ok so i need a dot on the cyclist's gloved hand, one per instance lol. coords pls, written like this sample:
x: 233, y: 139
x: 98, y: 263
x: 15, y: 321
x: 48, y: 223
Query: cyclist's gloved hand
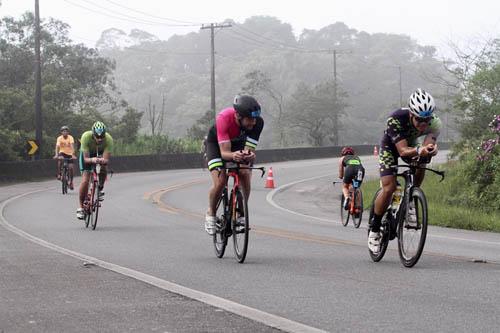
x: 249, y: 156
x: 238, y: 156
x: 432, y: 149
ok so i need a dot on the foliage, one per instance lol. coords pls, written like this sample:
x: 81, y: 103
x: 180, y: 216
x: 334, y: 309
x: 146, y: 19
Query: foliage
x: 199, y: 130
x: 316, y: 111
x: 128, y: 126
x: 158, y: 144
x: 77, y: 84
x: 479, y: 98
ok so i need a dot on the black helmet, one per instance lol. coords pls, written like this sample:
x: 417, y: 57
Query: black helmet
x: 246, y: 106
x: 64, y: 128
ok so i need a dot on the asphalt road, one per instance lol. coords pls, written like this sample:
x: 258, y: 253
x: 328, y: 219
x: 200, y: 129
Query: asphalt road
x: 303, y: 269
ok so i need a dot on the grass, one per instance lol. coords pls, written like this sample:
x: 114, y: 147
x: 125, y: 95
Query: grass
x: 441, y: 213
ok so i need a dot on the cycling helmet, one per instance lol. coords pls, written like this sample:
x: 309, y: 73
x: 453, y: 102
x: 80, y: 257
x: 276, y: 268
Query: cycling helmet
x: 347, y: 151
x: 64, y: 128
x: 246, y: 106
x: 421, y: 104
x: 99, y: 129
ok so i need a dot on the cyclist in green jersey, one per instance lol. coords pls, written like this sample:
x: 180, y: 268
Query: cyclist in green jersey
x: 350, y: 168
x: 94, y: 143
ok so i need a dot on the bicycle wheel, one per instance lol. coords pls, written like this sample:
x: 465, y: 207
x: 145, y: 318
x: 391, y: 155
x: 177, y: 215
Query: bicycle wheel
x: 88, y: 208
x: 95, y: 206
x: 344, y: 214
x: 64, y: 180
x: 239, y: 223
x: 219, y: 237
x: 384, y: 229
x: 412, y: 234
x: 358, y: 208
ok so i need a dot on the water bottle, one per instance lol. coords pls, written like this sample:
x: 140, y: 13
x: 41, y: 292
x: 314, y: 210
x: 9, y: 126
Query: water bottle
x: 396, y: 198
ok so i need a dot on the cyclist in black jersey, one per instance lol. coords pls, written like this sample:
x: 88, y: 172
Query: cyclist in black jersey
x: 404, y: 126
x: 349, y: 168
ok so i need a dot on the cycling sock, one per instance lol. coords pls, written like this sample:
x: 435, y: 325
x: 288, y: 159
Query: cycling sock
x: 375, y: 225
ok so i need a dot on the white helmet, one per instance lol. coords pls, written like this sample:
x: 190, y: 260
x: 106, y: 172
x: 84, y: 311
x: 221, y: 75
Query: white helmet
x: 421, y: 104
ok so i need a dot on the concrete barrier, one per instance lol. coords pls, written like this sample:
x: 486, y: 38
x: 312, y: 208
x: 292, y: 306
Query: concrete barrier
x: 42, y: 169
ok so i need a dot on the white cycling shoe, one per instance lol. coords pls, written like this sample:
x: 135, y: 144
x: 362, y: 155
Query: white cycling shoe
x: 80, y: 214
x: 374, y: 239
x: 210, y: 224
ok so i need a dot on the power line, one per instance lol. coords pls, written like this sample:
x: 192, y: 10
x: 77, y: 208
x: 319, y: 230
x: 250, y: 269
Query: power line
x: 151, y: 15
x: 123, y: 17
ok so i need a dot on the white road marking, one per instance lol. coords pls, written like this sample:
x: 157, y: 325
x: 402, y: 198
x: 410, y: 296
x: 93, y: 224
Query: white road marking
x: 236, y: 308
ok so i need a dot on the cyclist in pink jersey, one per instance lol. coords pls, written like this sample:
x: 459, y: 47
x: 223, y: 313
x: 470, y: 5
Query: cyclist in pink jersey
x: 234, y: 137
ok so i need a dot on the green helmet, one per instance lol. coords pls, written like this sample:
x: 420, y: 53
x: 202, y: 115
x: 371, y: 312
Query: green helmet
x: 99, y: 129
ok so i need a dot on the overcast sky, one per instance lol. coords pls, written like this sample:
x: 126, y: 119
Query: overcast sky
x: 434, y: 22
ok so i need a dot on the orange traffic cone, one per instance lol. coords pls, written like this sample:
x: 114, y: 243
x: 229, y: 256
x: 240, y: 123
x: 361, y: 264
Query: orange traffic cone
x: 375, y: 151
x: 270, y: 179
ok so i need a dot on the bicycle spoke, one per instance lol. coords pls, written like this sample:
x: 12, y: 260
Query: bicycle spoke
x: 412, y: 231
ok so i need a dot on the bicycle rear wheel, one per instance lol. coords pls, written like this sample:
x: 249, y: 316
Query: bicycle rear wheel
x: 240, y: 225
x: 344, y: 214
x: 220, y: 237
x: 384, y: 229
x: 358, y: 208
x: 95, y: 207
x: 412, y: 234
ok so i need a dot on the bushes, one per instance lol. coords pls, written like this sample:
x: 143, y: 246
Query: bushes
x: 475, y: 180
x: 158, y: 144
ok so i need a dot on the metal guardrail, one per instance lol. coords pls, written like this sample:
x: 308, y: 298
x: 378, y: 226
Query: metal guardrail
x: 41, y: 169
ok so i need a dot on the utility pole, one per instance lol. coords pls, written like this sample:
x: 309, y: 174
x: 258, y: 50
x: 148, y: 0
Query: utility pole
x: 335, y: 114
x: 212, y: 27
x: 38, y: 83
x: 335, y: 96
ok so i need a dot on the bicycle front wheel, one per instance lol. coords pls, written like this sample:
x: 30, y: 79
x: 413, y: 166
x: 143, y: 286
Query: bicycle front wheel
x: 358, y: 208
x: 412, y: 230
x: 344, y: 214
x: 220, y: 237
x: 88, y: 206
x: 95, y: 208
x: 64, y: 181
x: 240, y: 225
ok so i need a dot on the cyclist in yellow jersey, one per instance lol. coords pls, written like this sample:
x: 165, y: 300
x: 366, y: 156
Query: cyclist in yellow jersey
x: 94, y: 143
x: 65, y: 148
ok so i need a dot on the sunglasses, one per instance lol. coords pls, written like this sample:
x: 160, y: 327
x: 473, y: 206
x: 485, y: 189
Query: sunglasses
x: 255, y: 114
x: 423, y: 120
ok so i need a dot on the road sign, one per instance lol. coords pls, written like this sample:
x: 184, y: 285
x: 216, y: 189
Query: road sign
x: 33, y: 147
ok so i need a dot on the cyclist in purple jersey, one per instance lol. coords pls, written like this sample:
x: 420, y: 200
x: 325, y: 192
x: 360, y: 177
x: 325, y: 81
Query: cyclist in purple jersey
x: 234, y: 137
x: 404, y: 126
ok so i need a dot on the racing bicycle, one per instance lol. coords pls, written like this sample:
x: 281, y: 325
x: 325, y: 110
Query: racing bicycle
x: 232, y: 213
x: 411, y: 231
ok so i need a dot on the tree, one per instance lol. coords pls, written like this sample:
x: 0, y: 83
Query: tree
x: 155, y: 118
x: 128, y: 126
x: 199, y: 130
x: 78, y: 85
x: 479, y: 82
x: 317, y: 112
x: 257, y: 81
